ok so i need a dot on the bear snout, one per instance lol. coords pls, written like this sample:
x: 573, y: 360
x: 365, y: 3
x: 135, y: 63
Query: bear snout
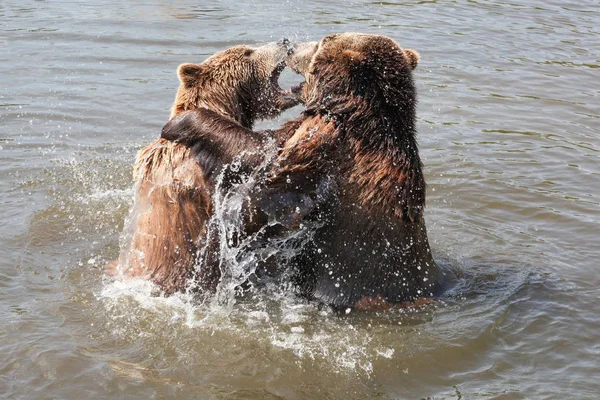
x: 300, y: 57
x: 288, y: 45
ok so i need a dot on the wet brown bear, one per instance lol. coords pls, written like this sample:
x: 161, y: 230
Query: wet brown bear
x: 174, y: 183
x: 353, y: 171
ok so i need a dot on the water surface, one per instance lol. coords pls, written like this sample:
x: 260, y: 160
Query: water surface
x: 509, y: 131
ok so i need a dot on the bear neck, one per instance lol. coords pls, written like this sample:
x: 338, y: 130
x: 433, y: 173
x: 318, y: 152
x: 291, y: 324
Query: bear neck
x: 233, y: 109
x: 228, y: 104
x: 388, y: 129
x: 389, y: 119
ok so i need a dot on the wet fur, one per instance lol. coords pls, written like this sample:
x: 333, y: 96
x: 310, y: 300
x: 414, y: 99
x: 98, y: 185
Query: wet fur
x: 355, y: 155
x: 174, y: 181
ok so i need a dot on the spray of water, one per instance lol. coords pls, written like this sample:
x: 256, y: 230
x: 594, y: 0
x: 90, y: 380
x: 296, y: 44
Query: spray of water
x: 272, y: 317
x: 239, y: 253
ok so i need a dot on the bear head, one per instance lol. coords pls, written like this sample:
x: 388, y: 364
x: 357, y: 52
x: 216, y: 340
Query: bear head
x: 342, y: 66
x: 240, y: 82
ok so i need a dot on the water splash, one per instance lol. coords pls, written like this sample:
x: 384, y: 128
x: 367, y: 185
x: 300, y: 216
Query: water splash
x: 238, y: 254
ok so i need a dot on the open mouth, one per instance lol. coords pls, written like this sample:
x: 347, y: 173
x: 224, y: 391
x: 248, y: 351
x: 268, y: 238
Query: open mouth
x: 275, y: 76
x: 294, y: 91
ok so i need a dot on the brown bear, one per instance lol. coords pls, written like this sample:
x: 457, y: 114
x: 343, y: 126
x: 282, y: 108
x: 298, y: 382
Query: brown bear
x: 174, y: 183
x: 352, y: 170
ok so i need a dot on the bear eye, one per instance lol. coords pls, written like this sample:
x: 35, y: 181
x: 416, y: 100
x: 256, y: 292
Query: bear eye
x: 248, y: 52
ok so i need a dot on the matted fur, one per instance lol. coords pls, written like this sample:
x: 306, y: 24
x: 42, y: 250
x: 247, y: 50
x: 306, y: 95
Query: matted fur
x: 174, y: 182
x: 355, y: 154
x: 172, y: 204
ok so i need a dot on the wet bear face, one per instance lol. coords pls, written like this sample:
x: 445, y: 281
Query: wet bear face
x: 352, y: 64
x: 241, y: 82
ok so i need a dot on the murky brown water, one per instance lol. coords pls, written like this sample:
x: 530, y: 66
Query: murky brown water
x: 509, y: 128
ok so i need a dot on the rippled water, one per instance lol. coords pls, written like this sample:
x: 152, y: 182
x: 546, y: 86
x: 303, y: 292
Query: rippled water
x: 509, y: 127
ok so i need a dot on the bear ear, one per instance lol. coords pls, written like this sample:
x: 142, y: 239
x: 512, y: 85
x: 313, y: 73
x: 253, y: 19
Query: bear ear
x: 189, y: 73
x: 412, y: 56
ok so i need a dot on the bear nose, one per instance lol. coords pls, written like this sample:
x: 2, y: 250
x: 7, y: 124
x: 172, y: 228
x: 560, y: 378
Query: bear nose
x: 285, y: 42
x: 288, y: 45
